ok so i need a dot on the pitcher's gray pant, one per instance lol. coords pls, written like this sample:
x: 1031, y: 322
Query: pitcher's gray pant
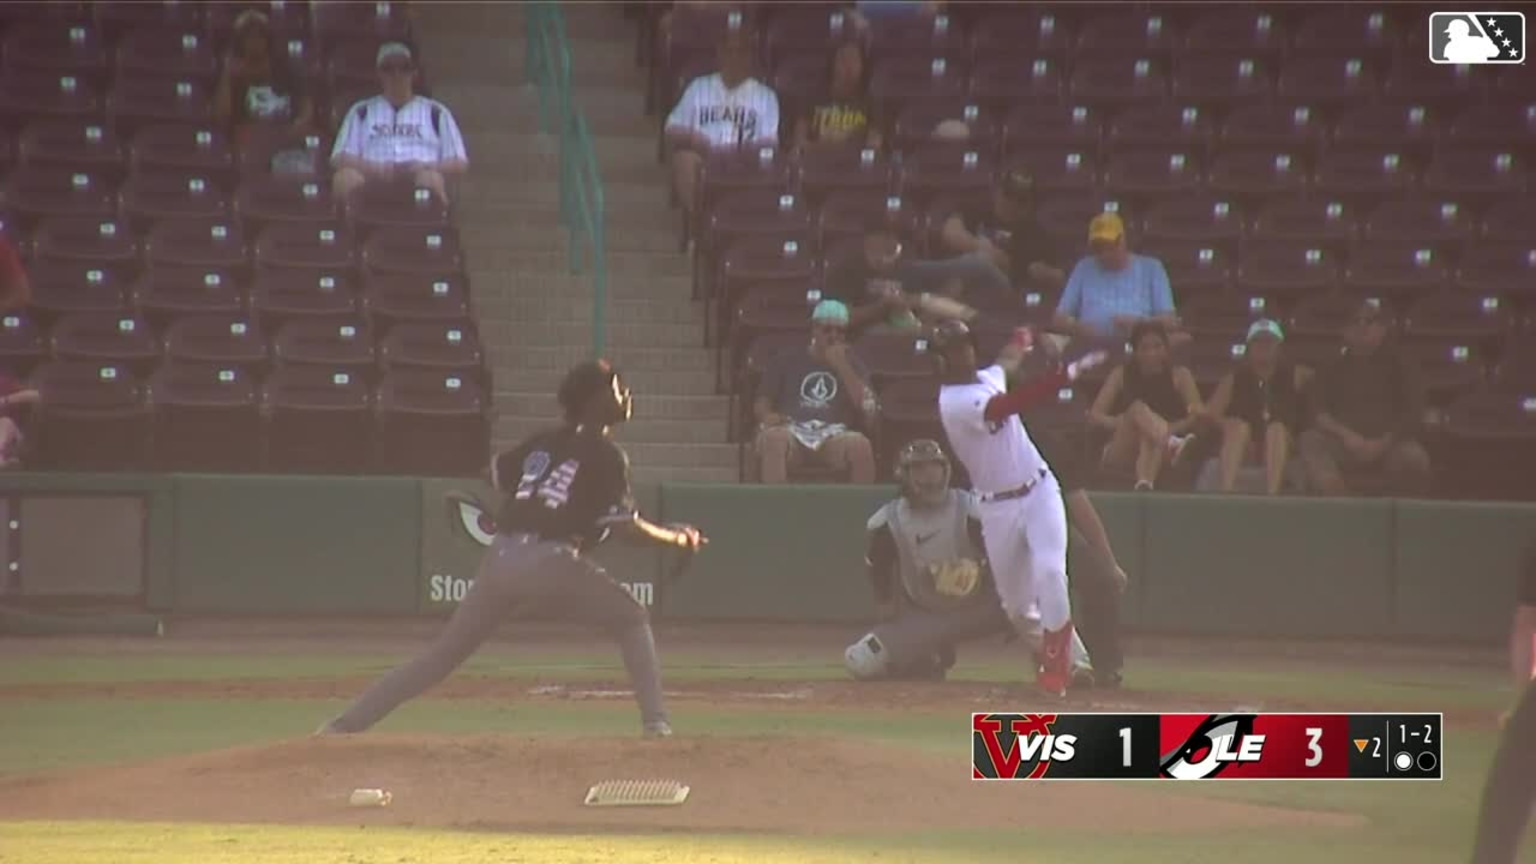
x: 524, y: 577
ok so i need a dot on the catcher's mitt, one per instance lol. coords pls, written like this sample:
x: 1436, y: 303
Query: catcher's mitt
x: 957, y: 578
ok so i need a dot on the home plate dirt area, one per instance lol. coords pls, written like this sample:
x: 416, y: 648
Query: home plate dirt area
x: 773, y: 784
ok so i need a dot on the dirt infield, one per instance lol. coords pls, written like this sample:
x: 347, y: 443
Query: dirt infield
x: 759, y: 784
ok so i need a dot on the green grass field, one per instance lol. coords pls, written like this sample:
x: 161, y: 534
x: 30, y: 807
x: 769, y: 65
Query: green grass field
x: 1409, y: 822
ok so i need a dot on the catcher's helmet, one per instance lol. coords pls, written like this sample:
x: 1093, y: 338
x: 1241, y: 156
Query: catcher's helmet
x: 591, y: 380
x: 918, y: 452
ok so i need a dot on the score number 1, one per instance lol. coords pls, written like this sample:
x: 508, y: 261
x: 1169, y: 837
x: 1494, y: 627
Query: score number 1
x: 1314, y: 746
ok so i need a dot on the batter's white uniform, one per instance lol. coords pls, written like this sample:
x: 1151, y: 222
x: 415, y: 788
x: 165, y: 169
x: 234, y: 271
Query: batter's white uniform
x: 1026, y: 537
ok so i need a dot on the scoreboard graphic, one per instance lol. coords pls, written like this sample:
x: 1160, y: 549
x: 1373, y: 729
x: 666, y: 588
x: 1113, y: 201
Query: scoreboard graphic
x: 1020, y: 746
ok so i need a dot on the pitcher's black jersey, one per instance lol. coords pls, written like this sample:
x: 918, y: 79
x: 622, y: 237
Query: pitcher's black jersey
x: 565, y: 485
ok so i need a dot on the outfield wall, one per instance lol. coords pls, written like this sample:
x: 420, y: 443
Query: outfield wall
x: 386, y: 546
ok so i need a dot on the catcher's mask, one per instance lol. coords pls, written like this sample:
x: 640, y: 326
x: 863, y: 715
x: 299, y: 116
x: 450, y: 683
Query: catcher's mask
x: 952, y: 345
x: 593, y: 392
x: 921, y: 487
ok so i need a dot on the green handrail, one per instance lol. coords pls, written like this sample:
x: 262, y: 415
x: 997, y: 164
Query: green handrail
x: 582, y: 208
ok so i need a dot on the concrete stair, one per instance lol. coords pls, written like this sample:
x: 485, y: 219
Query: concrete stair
x: 535, y: 316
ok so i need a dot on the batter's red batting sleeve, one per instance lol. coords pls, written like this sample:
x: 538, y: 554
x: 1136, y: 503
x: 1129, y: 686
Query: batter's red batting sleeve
x: 1025, y: 396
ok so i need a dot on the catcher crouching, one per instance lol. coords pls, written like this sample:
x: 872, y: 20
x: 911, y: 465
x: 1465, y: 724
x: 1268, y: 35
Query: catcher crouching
x: 933, y: 589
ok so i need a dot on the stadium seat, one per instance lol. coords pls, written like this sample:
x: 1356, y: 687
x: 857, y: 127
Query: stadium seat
x: 371, y: 22
x: 1194, y: 268
x: 286, y: 20
x: 1005, y: 83
x: 756, y: 261
x: 1424, y: 221
x: 106, y: 337
x: 63, y: 287
x: 1199, y: 219
x: 1332, y: 84
x: 1283, y: 269
x: 1509, y: 219
x: 909, y: 408
x: 23, y: 343
x: 341, y: 344
x: 774, y: 217
x: 72, y: 11
x: 899, y: 36
x: 1274, y: 128
x: 389, y: 204
x: 915, y: 125
x: 1476, y: 175
x: 318, y: 420
x: 1390, y: 126
x: 1212, y: 355
x: 1447, y: 366
x: 1076, y: 128
x: 942, y: 171
x: 1065, y: 220
x: 1222, y: 314
x: 168, y: 51
x: 218, y: 340
x: 1491, y: 434
x: 167, y: 292
x: 1324, y: 316
x: 1140, y: 177
x: 770, y: 309
x: 444, y: 348
x: 1057, y: 170
x: 1221, y: 82
x: 1128, y: 33
x: 104, y: 242
x: 206, y: 418
x: 27, y: 95
x: 1396, y: 271
x: 139, y: 101
x: 430, y: 422
x: 1180, y: 128
x: 41, y: 193
x: 92, y: 417
x: 1456, y: 315
x: 320, y: 246
x: 1251, y: 177
x: 833, y: 170
x: 1354, y: 31
x: 765, y: 172
x: 1499, y: 268
x: 1516, y: 372
x: 1433, y: 84
x: 177, y: 147
x: 265, y: 200
x: 1235, y: 31
x: 119, y: 19
x: 392, y: 298
x: 810, y: 30
x: 1502, y: 125
x: 412, y: 251
x: 1114, y: 83
x: 263, y: 143
x: 56, y: 47
x: 898, y: 81
x: 283, y: 295
x: 889, y: 356
x: 1366, y: 177
x: 1029, y: 31
x: 78, y: 145
x: 1311, y: 219
x: 218, y: 244
x: 146, y: 198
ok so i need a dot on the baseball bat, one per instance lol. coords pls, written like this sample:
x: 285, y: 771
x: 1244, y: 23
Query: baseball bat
x: 945, y: 307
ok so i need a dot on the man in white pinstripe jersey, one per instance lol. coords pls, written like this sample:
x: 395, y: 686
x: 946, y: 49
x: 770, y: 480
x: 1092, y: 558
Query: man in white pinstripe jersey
x: 397, y: 136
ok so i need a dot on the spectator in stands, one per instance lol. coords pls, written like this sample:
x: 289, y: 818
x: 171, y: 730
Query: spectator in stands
x: 718, y: 113
x: 1258, y: 404
x: 1007, y: 237
x: 1150, y: 406
x: 398, y: 136
x: 884, y: 288
x: 1113, y: 289
x: 811, y: 403
x: 844, y: 114
x: 15, y: 287
x: 1367, y: 409
x: 255, y: 85
x: 15, y: 398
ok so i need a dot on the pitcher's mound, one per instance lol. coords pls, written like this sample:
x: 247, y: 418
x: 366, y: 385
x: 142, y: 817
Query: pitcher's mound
x: 760, y: 784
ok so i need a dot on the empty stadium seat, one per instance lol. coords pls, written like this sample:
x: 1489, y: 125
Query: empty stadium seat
x: 62, y: 287
x: 57, y: 47
x: 217, y: 244
x: 1128, y: 33
x: 1251, y: 177
x: 78, y: 145
x: 1443, y: 86
x: 119, y: 19
x: 392, y: 298
x: 179, y: 147
x: 1312, y: 219
x: 264, y: 200
x: 1194, y: 267
x: 1142, y: 176
x: 1275, y: 128
x: 1113, y: 83
x: 1006, y: 83
x: 1332, y: 84
x: 26, y: 95
x: 836, y: 171
x: 1214, y: 313
x: 1287, y: 269
x: 1456, y: 315
x: 412, y: 250
x: 279, y: 296
x: 321, y: 246
x: 1355, y: 31
x: 889, y: 356
x: 1396, y: 271
x: 724, y: 175
x: 1235, y: 31
x: 1499, y: 268
x: 92, y: 416
x: 1365, y: 177
x: 104, y: 242
x: 23, y: 343
x: 1077, y: 128
x: 909, y: 408
x: 168, y: 51
x: 1447, y: 366
x: 1178, y: 128
x: 943, y: 171
x: 137, y: 101
x: 1391, y: 126
x: 106, y: 337
x: 166, y: 292
x: 758, y: 263
x: 389, y: 204
x: 373, y: 22
x: 318, y: 420
x: 1014, y: 30
x: 430, y: 422
x: 1423, y: 220
x: 221, y: 340
x: 1324, y: 315
x: 764, y: 214
x: 446, y: 348
x: 206, y: 417
x: 1502, y: 125
x: 1212, y: 355
x: 339, y: 344
x: 146, y: 198
x: 915, y: 125
x: 40, y: 193
x: 264, y: 143
x: 1202, y: 219
x: 1476, y: 175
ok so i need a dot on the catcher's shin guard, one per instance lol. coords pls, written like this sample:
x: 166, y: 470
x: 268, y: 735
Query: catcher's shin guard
x: 1055, y: 661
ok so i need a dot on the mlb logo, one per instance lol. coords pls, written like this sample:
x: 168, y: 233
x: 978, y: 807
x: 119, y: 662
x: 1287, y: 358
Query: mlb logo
x: 1477, y: 38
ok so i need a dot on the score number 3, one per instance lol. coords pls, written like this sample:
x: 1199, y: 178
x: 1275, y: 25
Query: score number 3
x: 1314, y: 747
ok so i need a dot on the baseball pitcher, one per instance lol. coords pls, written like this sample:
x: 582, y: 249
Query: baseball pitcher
x: 565, y: 491
x: 932, y: 586
x: 1023, y: 517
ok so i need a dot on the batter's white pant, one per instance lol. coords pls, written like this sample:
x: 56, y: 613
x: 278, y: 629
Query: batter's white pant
x: 1026, y: 540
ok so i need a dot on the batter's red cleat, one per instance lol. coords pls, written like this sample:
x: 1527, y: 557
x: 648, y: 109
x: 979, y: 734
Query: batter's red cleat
x: 1055, y: 673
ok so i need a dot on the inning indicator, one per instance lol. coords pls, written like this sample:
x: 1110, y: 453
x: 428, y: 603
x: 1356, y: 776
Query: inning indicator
x: 1396, y: 746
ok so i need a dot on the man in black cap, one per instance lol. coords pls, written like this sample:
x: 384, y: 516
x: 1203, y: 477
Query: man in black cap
x: 565, y: 491
x: 1008, y: 236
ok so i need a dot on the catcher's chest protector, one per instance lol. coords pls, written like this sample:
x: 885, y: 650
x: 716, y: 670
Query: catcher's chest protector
x: 933, y: 545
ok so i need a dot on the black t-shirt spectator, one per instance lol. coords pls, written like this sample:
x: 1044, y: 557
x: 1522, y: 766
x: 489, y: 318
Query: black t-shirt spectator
x: 1024, y: 240
x: 833, y: 120
x: 272, y: 98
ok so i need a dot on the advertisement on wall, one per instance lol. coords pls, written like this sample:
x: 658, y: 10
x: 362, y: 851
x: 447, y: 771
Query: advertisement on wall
x: 457, y: 529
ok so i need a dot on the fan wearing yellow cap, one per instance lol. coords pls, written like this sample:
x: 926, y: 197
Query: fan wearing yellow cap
x: 1112, y: 289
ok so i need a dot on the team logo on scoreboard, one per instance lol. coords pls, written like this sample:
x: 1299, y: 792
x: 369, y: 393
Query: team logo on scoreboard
x: 1017, y: 746
x: 1219, y: 742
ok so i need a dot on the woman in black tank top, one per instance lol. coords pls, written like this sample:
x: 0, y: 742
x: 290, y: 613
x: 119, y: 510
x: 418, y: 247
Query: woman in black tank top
x: 1150, y: 405
x: 1258, y: 404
